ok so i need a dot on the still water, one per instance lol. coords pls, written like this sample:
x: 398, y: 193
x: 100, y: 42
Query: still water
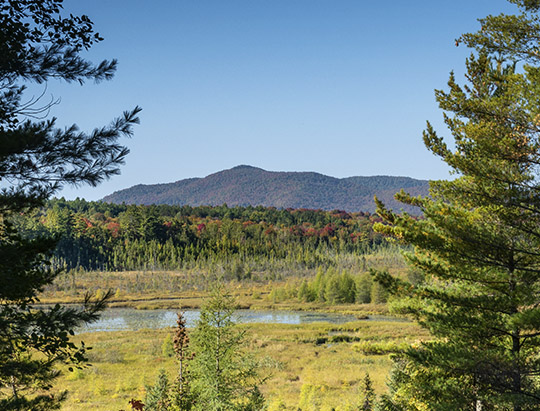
x: 118, y: 319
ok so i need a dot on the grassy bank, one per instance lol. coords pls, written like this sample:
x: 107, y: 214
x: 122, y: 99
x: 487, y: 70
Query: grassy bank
x: 306, y: 364
x: 253, y: 297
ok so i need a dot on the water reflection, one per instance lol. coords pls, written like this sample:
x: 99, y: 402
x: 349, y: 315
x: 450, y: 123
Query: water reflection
x: 117, y: 319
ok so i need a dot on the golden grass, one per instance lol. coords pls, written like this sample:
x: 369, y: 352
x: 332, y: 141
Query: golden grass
x: 247, y: 296
x: 124, y: 362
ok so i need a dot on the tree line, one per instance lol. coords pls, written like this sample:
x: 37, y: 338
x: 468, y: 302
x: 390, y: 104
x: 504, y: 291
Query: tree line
x: 333, y: 286
x: 111, y: 237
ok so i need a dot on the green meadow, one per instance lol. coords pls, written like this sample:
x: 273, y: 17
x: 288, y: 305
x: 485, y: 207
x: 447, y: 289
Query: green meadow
x: 312, y: 366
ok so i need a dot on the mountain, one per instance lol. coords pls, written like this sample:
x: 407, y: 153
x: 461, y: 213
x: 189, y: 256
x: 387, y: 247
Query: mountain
x: 246, y: 185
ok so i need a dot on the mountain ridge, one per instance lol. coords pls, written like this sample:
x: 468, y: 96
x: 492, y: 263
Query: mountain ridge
x: 247, y: 185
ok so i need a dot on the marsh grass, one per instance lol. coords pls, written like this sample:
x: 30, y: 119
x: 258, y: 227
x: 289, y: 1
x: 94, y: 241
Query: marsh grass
x: 301, y: 370
x: 157, y: 289
x: 247, y: 296
x: 314, y: 366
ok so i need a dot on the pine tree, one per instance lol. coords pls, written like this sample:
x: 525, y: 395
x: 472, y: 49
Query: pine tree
x: 478, y: 243
x: 224, y: 376
x: 304, y: 292
x: 368, y: 395
x: 157, y: 396
x: 37, y: 44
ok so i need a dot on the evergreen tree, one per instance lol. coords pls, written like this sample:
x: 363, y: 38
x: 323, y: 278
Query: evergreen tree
x: 397, y: 382
x: 364, y: 285
x: 255, y: 400
x: 368, y: 395
x: 347, y: 287
x: 36, y: 159
x: 478, y: 243
x: 305, y: 292
x: 332, y: 291
x: 157, y: 396
x: 224, y: 376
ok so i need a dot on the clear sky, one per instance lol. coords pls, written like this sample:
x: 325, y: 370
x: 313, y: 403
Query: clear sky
x: 340, y: 87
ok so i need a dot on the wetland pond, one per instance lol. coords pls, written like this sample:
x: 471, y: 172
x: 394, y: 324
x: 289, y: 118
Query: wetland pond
x: 130, y: 319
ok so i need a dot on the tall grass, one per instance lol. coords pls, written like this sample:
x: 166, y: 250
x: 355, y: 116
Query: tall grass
x: 322, y: 361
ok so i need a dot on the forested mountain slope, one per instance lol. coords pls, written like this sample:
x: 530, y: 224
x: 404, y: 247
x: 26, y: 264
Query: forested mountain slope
x: 246, y: 185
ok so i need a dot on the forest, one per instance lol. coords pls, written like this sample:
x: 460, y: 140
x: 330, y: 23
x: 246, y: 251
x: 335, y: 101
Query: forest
x: 325, y: 256
x: 109, y: 237
x: 461, y: 282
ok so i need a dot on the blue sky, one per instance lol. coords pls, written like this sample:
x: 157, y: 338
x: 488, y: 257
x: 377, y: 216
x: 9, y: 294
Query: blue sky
x: 338, y: 87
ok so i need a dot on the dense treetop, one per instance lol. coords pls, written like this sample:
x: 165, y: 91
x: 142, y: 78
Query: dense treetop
x: 98, y: 235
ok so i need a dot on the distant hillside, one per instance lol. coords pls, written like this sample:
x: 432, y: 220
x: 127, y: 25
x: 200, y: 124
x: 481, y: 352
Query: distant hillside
x: 246, y: 185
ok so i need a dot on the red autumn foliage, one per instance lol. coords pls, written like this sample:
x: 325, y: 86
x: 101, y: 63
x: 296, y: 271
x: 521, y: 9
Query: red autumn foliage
x: 113, y: 227
x: 87, y: 222
x: 269, y: 231
x: 327, y: 231
x: 311, y: 232
x: 136, y: 405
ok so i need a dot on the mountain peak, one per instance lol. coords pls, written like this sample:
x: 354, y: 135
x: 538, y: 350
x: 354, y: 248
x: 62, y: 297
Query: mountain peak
x: 246, y: 167
x: 247, y: 185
